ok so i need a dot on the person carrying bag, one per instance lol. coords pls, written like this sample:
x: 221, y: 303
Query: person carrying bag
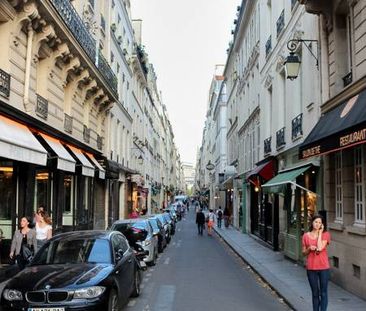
x: 23, y: 244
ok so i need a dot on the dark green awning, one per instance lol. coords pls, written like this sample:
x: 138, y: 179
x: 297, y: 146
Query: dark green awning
x: 279, y: 182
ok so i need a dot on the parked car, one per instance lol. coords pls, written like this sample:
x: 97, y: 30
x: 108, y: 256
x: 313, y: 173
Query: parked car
x: 139, y: 231
x: 158, y: 229
x: 166, y: 226
x: 80, y: 270
x: 171, y: 222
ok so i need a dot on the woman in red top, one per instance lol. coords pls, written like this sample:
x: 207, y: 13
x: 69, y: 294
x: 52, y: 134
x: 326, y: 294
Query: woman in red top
x: 314, y: 246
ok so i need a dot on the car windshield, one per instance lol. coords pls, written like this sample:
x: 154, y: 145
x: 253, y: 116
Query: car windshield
x: 74, y: 251
x: 162, y: 219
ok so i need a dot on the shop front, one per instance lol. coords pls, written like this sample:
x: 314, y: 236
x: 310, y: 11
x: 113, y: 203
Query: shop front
x: 40, y: 170
x: 294, y: 191
x: 264, y: 222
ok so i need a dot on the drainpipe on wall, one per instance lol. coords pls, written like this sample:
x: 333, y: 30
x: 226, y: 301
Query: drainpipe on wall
x: 28, y: 63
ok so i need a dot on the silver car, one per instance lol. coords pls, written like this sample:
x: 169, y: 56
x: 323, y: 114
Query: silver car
x: 139, y: 231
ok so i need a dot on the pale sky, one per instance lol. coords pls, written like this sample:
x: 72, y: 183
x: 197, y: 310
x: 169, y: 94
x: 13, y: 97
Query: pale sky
x: 184, y: 41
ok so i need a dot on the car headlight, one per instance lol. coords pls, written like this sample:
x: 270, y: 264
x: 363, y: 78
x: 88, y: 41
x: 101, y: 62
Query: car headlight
x: 12, y: 295
x: 89, y: 292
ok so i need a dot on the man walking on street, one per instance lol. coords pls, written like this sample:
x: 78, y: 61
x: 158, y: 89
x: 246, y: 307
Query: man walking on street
x: 219, y: 217
x: 200, y: 221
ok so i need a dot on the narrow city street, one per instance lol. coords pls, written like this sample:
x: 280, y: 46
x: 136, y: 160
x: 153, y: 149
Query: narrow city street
x: 201, y: 273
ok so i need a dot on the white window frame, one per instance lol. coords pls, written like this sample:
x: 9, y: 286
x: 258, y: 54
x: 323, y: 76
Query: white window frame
x: 338, y: 187
x: 359, y: 187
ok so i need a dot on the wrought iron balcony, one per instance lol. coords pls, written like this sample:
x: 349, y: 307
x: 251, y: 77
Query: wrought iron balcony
x: 91, y: 3
x: 4, y: 83
x: 268, y: 46
x: 107, y: 72
x: 99, y: 142
x: 280, y: 23
x: 68, y: 123
x: 75, y: 24
x: 86, y: 134
x: 141, y: 56
x: 280, y: 138
x: 267, y: 145
x: 42, y: 107
x: 293, y: 4
x: 297, y: 127
x: 347, y: 79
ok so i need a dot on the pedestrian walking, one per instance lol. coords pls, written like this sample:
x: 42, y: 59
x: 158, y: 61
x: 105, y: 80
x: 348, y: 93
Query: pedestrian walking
x: 219, y: 215
x: 314, y: 247
x: 226, y: 217
x: 23, y: 244
x: 43, y: 229
x: 200, y: 221
x: 211, y: 221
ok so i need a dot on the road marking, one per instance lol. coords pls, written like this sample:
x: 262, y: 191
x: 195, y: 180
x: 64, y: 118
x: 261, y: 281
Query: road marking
x: 174, y: 243
x: 165, y: 298
x: 166, y: 262
x: 178, y: 229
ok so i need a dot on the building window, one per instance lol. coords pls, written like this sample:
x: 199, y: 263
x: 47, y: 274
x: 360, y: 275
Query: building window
x: 118, y: 67
x: 102, y: 22
x: 118, y: 19
x: 42, y: 191
x: 359, y: 187
x: 67, y: 215
x: 8, y: 195
x: 338, y: 187
x: 112, y: 57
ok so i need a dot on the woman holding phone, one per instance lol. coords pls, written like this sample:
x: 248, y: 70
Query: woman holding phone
x: 314, y: 247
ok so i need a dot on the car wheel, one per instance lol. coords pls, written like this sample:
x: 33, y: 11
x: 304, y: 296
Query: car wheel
x: 136, y: 284
x: 161, y: 247
x: 113, y: 301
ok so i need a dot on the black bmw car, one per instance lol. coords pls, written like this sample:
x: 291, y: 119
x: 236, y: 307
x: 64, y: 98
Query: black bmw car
x: 80, y: 270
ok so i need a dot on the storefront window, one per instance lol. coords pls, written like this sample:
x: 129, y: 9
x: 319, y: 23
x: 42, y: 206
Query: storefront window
x: 42, y: 191
x: 67, y: 215
x: 7, y: 202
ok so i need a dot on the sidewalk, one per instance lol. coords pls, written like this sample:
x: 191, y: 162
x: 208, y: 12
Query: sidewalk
x: 287, y: 278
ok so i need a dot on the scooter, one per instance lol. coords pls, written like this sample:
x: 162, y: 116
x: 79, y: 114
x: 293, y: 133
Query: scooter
x: 140, y: 254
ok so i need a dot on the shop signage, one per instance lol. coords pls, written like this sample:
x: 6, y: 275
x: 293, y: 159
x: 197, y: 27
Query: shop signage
x: 342, y: 140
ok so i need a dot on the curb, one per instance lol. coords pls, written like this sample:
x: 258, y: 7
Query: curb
x: 257, y: 272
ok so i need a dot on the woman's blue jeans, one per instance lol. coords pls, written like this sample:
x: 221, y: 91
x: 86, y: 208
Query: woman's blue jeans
x: 318, y: 280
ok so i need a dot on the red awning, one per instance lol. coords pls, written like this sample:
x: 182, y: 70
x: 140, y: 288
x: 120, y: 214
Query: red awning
x: 265, y: 170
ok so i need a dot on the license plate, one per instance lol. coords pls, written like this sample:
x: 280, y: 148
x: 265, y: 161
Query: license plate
x: 46, y: 309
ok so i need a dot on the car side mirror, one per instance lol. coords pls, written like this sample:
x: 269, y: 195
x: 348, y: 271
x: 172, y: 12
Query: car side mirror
x: 119, y: 255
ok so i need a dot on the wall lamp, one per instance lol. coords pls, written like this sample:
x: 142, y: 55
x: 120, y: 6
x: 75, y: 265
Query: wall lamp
x: 292, y: 62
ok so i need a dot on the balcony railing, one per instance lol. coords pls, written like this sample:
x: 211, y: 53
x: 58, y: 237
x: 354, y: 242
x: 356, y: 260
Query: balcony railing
x: 268, y: 46
x: 280, y: 23
x: 107, y: 72
x: 68, y: 123
x: 75, y: 24
x: 42, y: 107
x: 91, y: 3
x: 280, y: 138
x: 297, y: 127
x: 293, y: 4
x: 347, y: 79
x: 4, y: 83
x: 99, y: 142
x: 267, y: 145
x: 86, y: 134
